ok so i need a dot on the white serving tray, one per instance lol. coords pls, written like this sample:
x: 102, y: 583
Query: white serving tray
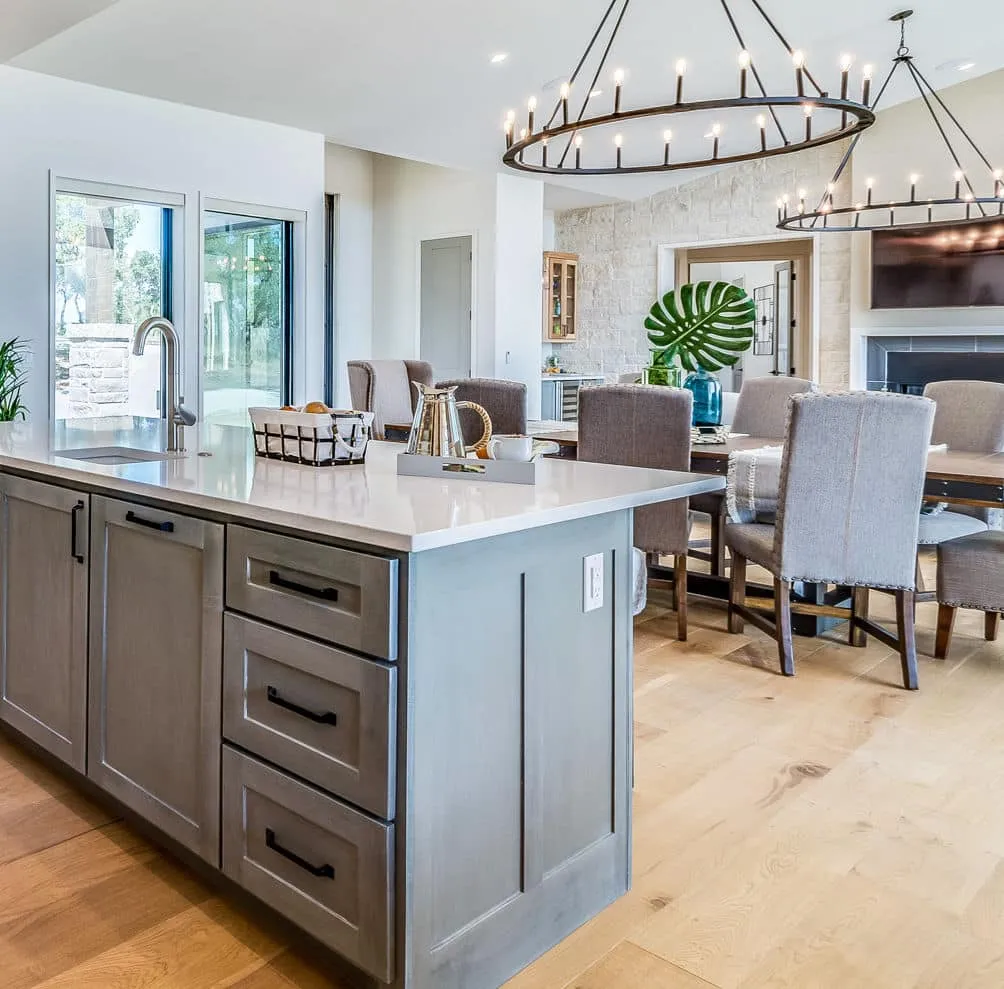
x: 504, y: 471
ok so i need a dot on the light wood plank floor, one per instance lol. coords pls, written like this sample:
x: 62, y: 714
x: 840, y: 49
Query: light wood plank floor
x: 826, y: 831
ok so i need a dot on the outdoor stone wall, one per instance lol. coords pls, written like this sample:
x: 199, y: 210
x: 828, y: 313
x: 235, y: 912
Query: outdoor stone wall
x: 99, y: 369
x: 618, y: 257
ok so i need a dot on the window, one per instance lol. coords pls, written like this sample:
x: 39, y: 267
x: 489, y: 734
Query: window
x: 247, y: 315
x: 112, y: 269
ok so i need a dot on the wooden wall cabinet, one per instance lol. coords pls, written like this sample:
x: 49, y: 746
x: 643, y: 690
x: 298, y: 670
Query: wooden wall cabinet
x: 561, y: 297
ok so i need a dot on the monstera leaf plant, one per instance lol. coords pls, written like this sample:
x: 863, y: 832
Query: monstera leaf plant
x: 707, y: 325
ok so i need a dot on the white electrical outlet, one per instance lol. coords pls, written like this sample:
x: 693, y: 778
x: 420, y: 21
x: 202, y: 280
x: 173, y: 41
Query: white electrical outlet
x: 592, y: 583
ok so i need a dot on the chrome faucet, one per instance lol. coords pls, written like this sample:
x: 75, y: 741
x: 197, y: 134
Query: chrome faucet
x: 177, y: 415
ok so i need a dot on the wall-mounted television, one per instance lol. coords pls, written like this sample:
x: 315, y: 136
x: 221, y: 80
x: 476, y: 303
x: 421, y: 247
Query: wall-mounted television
x: 946, y: 266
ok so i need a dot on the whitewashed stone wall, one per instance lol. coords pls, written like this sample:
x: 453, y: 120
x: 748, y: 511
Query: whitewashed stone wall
x: 99, y: 369
x: 617, y: 247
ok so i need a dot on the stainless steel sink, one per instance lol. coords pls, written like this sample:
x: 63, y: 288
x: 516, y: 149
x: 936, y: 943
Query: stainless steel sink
x: 113, y: 456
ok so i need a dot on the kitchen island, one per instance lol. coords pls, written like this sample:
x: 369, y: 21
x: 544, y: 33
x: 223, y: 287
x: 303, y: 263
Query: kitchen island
x: 385, y: 706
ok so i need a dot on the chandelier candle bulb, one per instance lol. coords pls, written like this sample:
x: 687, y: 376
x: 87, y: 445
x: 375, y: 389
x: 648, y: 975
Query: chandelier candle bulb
x: 998, y: 183
x: 798, y: 58
x: 745, y: 61
x: 866, y: 89
x: 531, y: 107
x: 959, y: 176
x: 543, y: 152
x: 565, y: 90
x: 667, y: 137
x: 618, y: 83
x: 845, y: 75
x: 578, y: 151
x: 870, y: 184
x: 716, y: 136
x: 619, y: 144
x: 808, y: 121
x: 681, y: 71
x: 761, y: 122
x: 914, y: 179
x: 930, y: 212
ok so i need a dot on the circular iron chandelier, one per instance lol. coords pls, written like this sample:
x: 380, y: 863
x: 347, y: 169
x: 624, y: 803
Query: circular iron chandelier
x: 966, y: 202
x: 556, y: 144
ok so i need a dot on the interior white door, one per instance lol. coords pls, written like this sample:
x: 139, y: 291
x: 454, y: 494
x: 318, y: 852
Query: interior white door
x: 445, y: 332
x: 784, y: 317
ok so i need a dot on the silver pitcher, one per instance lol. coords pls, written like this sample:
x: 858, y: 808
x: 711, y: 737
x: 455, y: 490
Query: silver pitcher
x: 436, y: 430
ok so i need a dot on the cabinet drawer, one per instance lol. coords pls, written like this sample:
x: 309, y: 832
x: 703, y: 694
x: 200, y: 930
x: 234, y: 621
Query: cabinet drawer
x: 321, y: 713
x: 334, y: 594
x: 325, y: 866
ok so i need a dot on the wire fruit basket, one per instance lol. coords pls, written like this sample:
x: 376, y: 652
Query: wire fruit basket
x: 313, y: 439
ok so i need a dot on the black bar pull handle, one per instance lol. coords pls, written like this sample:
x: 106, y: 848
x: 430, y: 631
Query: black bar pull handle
x: 324, y: 593
x: 149, y: 523
x: 321, y: 871
x: 324, y: 718
x: 74, y: 514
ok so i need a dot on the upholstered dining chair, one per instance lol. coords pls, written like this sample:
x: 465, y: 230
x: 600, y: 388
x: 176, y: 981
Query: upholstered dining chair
x: 645, y: 426
x: 970, y: 575
x: 969, y: 417
x: 761, y: 409
x: 504, y: 401
x: 385, y: 389
x: 852, y: 480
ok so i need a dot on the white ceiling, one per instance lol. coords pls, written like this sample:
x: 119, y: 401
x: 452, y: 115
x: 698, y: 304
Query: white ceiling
x: 415, y: 79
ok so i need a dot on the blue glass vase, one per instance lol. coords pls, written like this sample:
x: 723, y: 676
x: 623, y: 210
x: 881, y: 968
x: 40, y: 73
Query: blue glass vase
x: 707, y: 392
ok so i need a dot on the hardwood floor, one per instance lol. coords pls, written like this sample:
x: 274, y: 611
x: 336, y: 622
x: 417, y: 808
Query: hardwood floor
x: 827, y: 831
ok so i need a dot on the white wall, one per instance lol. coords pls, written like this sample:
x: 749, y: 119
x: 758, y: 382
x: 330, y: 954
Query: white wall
x: 519, y: 245
x: 905, y: 141
x: 84, y: 132
x: 349, y: 176
x: 415, y: 202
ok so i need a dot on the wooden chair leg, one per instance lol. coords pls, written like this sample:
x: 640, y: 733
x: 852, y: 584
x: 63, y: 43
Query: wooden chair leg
x: 718, y: 543
x: 859, y: 609
x: 680, y: 589
x: 920, y: 576
x: 782, y: 618
x: 906, y: 622
x: 946, y: 625
x: 991, y: 625
x: 737, y: 593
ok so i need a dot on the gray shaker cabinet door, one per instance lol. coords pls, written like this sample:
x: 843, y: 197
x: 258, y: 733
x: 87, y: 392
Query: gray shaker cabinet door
x: 156, y: 668
x: 43, y: 559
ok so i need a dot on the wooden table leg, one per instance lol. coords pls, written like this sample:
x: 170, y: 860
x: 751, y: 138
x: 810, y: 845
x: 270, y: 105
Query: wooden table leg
x: 991, y: 625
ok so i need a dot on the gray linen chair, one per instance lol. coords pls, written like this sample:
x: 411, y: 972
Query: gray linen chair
x: 645, y: 426
x: 761, y: 410
x: 970, y: 575
x: 385, y: 389
x: 970, y: 418
x: 504, y: 401
x: 852, y: 479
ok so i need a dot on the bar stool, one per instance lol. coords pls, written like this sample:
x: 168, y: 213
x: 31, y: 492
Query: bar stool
x: 970, y: 575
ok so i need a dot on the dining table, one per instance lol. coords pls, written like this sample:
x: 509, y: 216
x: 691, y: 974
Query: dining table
x: 954, y: 477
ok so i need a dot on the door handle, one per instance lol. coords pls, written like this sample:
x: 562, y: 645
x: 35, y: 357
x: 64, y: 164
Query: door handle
x: 320, y: 871
x: 74, y: 513
x: 324, y: 718
x: 324, y: 593
x: 149, y: 523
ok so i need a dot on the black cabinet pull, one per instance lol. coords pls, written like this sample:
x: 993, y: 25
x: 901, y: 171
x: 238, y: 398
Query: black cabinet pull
x: 74, y: 513
x: 325, y: 593
x: 321, y: 871
x: 149, y: 523
x: 326, y: 718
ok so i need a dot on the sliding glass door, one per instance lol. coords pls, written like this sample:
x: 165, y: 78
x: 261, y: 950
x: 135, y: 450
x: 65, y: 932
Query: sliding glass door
x: 247, y: 315
x: 112, y: 269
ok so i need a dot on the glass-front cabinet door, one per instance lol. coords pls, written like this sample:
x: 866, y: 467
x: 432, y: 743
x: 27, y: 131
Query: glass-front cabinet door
x: 247, y: 315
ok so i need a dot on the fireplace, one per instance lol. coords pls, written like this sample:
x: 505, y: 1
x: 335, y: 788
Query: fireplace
x: 908, y: 364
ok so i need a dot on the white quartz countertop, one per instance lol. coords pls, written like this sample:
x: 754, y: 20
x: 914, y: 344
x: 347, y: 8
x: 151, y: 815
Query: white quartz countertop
x: 367, y: 504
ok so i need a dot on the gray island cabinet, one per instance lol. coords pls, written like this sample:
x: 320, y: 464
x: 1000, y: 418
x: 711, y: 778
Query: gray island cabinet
x: 383, y: 706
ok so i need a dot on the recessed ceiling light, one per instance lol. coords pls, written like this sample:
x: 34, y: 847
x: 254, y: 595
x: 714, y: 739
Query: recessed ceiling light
x: 499, y: 57
x: 595, y: 93
x: 957, y: 65
x: 966, y: 66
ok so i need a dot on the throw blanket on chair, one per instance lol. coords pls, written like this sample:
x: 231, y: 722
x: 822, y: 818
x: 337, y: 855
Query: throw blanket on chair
x: 753, y: 484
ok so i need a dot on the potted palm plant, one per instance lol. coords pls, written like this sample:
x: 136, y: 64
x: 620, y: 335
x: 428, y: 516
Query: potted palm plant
x: 13, y: 359
x: 707, y: 326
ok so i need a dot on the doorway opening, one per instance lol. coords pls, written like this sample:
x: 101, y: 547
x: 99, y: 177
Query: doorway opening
x: 446, y: 316
x: 777, y: 275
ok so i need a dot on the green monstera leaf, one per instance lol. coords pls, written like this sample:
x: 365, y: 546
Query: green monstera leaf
x: 709, y: 324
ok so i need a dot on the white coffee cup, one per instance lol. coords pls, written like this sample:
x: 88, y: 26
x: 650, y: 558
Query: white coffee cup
x: 517, y: 448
